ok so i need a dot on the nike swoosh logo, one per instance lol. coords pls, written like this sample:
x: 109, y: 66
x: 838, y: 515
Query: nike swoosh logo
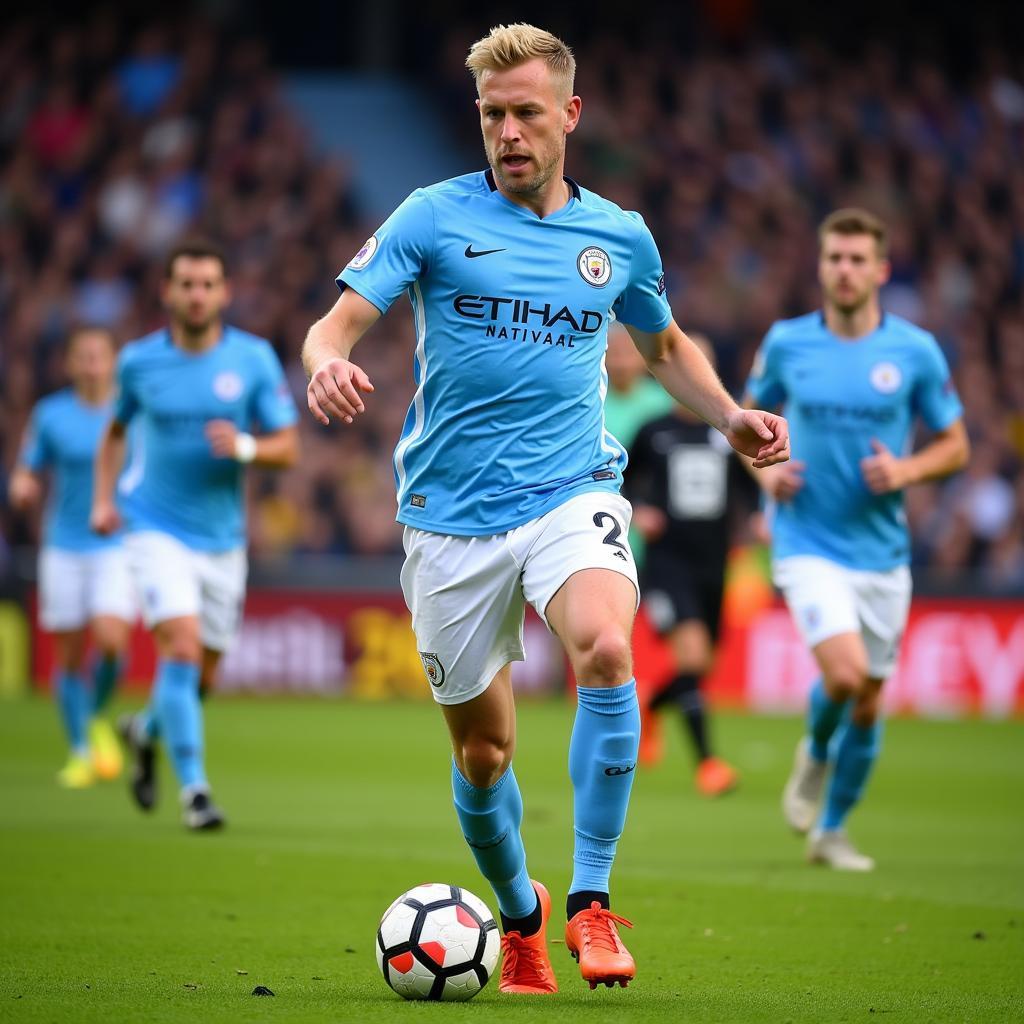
x: 470, y: 254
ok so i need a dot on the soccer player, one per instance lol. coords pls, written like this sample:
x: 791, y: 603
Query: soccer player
x: 508, y: 484
x: 681, y: 482
x: 853, y: 379
x: 197, y: 387
x: 84, y: 583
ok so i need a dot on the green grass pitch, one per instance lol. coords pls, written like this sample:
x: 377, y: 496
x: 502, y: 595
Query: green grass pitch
x: 335, y: 808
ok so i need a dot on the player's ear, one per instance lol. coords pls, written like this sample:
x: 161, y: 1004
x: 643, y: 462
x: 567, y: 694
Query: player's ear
x: 884, y: 272
x: 572, y: 113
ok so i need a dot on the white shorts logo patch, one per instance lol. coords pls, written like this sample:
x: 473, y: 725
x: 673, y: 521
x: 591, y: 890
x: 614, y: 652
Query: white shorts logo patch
x: 365, y: 254
x: 433, y: 667
x: 595, y: 266
x: 886, y: 378
x: 227, y: 386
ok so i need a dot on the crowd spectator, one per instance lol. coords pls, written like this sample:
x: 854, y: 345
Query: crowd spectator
x: 113, y: 145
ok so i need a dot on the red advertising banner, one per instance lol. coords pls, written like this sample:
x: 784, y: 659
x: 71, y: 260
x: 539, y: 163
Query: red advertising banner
x: 959, y: 657
x: 323, y: 643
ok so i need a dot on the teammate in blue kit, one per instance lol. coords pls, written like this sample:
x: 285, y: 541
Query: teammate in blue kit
x: 196, y: 388
x: 852, y: 381
x: 508, y: 483
x: 84, y: 583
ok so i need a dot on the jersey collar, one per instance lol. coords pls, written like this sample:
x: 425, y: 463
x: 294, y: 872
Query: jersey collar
x: 824, y: 324
x: 574, y: 189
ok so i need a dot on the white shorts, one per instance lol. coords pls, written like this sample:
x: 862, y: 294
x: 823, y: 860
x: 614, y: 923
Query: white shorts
x: 174, y: 580
x: 467, y: 594
x: 826, y: 599
x: 77, y: 586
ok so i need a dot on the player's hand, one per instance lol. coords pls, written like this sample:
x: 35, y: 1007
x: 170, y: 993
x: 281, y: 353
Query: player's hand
x: 334, y: 390
x: 782, y: 482
x: 104, y: 518
x: 763, y: 436
x: 883, y: 472
x: 220, y: 435
x: 649, y: 521
x: 24, y: 491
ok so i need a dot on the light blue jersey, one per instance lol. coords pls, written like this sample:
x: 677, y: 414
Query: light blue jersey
x: 838, y: 394
x: 511, y: 315
x: 62, y: 437
x: 174, y: 483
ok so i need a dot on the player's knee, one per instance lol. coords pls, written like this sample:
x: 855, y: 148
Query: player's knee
x: 606, y: 660
x: 484, y: 760
x: 847, y: 678
x: 181, y: 645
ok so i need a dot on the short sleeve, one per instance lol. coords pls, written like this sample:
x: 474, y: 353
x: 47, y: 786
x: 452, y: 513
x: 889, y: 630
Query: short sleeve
x: 36, y: 452
x: 935, y: 398
x: 395, y: 256
x: 272, y: 404
x: 643, y: 303
x: 126, y: 402
x: 765, y: 385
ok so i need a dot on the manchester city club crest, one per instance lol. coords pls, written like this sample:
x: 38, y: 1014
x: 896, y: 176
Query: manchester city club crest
x: 886, y: 378
x: 434, y: 669
x: 227, y: 386
x: 365, y: 254
x: 595, y: 266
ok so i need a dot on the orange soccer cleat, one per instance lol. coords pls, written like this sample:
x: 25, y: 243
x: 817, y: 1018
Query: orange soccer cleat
x: 715, y: 777
x: 594, y: 941
x: 525, y: 964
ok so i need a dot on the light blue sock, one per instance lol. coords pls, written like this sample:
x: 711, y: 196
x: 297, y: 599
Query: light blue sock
x: 823, y: 717
x: 490, y: 820
x: 180, y: 718
x: 856, y: 751
x: 105, y: 672
x: 74, y: 701
x: 602, y: 759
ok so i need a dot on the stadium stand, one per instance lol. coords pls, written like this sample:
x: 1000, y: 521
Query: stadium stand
x: 113, y: 143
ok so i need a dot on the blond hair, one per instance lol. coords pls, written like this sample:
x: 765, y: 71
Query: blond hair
x: 854, y: 221
x: 508, y: 46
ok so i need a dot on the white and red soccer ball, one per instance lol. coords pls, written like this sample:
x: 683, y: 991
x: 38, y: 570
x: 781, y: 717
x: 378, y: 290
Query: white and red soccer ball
x: 437, y: 942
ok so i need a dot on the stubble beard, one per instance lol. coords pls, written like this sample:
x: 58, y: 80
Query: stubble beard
x: 528, y: 186
x: 849, y: 307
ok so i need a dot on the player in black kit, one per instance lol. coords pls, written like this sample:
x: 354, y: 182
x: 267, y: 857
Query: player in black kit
x: 680, y: 481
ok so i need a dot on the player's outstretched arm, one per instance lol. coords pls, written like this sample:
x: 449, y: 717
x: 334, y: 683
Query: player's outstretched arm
x: 335, y: 383
x: 104, y: 517
x: 945, y: 453
x: 683, y: 371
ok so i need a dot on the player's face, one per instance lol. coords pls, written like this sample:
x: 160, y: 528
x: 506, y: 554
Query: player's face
x: 525, y: 119
x: 851, y: 271
x: 91, y: 360
x: 196, y: 293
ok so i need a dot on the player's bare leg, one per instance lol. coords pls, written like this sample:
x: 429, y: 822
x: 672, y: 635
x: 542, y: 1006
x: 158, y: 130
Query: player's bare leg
x: 487, y: 801
x: 592, y: 614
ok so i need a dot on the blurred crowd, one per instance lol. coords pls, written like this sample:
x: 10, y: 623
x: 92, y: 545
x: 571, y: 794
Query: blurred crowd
x: 114, y: 144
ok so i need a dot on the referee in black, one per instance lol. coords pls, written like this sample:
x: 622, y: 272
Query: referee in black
x: 682, y: 481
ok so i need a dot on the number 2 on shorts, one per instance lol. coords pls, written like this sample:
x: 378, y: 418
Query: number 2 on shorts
x: 612, y: 537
